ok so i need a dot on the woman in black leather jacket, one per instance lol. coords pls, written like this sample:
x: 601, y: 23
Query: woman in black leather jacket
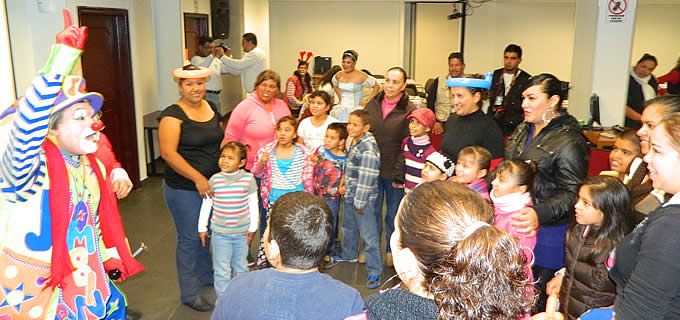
x: 550, y: 139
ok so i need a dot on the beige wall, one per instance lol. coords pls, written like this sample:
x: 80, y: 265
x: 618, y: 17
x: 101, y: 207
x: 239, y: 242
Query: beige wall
x: 373, y: 28
x: 486, y: 37
x: 435, y: 38
x: 656, y: 33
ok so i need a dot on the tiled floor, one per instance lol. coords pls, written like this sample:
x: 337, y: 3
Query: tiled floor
x: 155, y: 292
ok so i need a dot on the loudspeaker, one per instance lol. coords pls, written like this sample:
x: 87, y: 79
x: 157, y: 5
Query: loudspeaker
x: 321, y: 64
x: 219, y: 10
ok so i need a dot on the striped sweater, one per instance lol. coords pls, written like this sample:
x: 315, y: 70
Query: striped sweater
x: 415, y: 152
x: 230, y: 209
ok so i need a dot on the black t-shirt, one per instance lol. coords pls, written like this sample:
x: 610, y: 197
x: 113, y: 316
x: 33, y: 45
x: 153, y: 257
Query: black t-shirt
x: 199, y: 145
x: 474, y: 129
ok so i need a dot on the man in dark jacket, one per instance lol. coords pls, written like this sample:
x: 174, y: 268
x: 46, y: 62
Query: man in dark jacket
x: 505, y: 95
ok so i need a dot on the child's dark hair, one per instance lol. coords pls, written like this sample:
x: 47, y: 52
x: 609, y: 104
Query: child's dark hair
x: 363, y: 114
x: 611, y: 196
x: 302, y: 225
x: 473, y: 270
x: 482, y: 156
x: 631, y: 136
x: 521, y: 171
x: 289, y: 119
x: 321, y: 94
x: 235, y: 146
x: 340, y: 128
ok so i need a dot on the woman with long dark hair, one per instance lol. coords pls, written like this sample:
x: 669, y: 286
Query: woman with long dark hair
x: 298, y: 85
x: 603, y: 217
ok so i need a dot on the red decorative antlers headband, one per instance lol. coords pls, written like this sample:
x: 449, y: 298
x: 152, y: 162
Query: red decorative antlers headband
x: 302, y: 56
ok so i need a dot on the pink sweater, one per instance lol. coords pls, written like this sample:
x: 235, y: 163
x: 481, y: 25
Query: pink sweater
x: 504, y: 207
x: 254, y: 126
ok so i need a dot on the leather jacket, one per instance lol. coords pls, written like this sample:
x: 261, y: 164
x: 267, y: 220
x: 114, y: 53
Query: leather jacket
x: 559, y: 153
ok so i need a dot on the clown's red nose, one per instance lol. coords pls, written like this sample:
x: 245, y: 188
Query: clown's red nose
x: 98, y: 125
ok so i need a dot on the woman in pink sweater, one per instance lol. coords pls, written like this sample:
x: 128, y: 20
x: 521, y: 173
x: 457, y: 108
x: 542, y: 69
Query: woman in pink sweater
x: 253, y: 121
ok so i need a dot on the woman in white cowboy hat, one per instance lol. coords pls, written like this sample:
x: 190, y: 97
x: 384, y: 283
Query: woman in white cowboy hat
x: 190, y: 136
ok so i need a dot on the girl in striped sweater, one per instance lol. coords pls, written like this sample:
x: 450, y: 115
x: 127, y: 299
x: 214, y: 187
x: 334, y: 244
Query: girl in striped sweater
x: 235, y: 213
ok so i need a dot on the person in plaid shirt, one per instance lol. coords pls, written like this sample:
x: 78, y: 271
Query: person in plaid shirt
x: 361, y: 185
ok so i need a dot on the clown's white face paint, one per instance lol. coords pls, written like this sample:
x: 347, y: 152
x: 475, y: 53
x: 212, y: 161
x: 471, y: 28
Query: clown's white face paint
x: 74, y: 134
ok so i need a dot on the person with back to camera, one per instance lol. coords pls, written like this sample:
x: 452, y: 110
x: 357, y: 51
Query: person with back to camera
x: 452, y: 263
x: 297, y: 236
x: 189, y: 136
x: 326, y: 83
x: 642, y: 86
x: 655, y: 111
x: 348, y: 84
x: 672, y: 79
x: 388, y: 113
x: 551, y: 139
x: 647, y: 260
x: 603, y: 218
x: 468, y: 125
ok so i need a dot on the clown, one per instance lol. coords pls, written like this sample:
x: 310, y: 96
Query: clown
x: 65, y: 232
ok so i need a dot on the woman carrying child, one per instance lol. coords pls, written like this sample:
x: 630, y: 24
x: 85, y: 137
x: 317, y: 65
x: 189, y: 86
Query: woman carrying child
x: 284, y: 166
x: 452, y: 263
x: 312, y: 129
x: 603, y: 217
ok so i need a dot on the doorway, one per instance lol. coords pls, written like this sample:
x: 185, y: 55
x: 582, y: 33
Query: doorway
x: 195, y: 26
x: 108, y: 69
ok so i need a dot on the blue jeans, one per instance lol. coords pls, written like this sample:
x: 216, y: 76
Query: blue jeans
x: 230, y: 252
x: 194, y: 266
x: 335, y: 207
x: 392, y: 199
x: 355, y: 225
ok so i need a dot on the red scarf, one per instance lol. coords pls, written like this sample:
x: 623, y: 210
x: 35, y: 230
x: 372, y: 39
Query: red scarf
x: 109, y: 219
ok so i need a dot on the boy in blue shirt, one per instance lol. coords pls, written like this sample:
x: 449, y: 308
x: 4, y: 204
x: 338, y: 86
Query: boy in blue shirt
x: 295, y: 242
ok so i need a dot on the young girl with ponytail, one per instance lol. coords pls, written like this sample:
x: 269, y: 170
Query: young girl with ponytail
x: 452, y: 262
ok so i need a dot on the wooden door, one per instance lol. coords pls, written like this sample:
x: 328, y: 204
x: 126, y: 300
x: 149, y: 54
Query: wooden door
x: 195, y: 26
x: 108, y: 70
